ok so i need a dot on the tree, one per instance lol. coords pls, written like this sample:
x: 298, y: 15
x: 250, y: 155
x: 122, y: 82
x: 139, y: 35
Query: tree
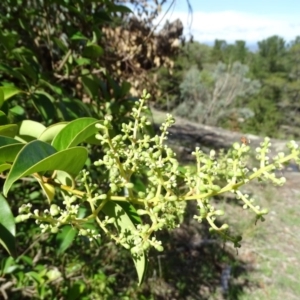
x: 190, y: 54
x: 272, y: 52
x: 209, y: 97
x: 236, y: 52
x: 217, y: 54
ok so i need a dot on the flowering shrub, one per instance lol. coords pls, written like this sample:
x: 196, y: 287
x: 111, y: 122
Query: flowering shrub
x: 124, y: 209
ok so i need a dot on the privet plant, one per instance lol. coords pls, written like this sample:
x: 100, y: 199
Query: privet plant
x: 129, y: 215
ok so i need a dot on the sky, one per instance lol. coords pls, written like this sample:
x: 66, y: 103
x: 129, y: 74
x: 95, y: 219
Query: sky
x: 248, y: 20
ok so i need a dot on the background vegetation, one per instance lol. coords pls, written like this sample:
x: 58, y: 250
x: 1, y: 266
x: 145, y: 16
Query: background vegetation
x: 228, y: 85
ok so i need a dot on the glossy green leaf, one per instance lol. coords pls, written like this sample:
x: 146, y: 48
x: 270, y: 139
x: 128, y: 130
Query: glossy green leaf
x: 75, y: 133
x: 9, y: 130
x: 8, y: 153
x: 65, y: 238
x: 9, y: 148
x: 123, y: 224
x: 17, y: 110
x: 38, y: 156
x: 25, y: 139
x: 9, y: 91
x: 5, y: 140
x: 31, y: 128
x: 4, y: 167
x: 92, y: 51
x: 50, y: 132
x: 7, y: 227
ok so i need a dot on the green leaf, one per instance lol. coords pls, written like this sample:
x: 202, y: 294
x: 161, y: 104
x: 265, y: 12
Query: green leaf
x: 64, y: 178
x: 56, y: 89
x: 31, y: 128
x: 9, y: 130
x: 5, y: 140
x: 7, y: 227
x: 76, y: 291
x: 17, y: 110
x: 91, y: 85
x: 124, y: 224
x: 101, y: 17
x: 60, y: 44
x: 48, y: 189
x: 70, y: 109
x: 75, y: 133
x: 27, y: 260
x: 125, y: 88
x: 78, y: 36
x: 1, y: 97
x: 82, y: 61
x: 44, y: 106
x: 35, y: 276
x: 120, y: 8
x: 92, y: 51
x: 30, y: 69
x: 9, y: 91
x: 131, y: 212
x: 16, y: 74
x: 8, y: 265
x: 50, y: 132
x: 38, y: 156
x: 3, y: 118
x: 9, y: 40
x: 4, y: 167
x: 8, y: 153
x: 82, y: 109
x: 65, y: 238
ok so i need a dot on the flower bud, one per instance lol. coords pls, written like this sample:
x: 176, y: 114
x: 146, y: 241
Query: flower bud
x: 54, y: 230
x: 219, y: 212
x: 129, y: 185
x: 54, y: 210
x: 141, y: 212
x: 224, y: 227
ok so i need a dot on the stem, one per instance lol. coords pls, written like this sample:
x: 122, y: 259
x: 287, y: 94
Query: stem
x: 235, y: 186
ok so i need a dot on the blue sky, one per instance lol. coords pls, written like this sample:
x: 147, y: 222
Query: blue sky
x: 249, y: 20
